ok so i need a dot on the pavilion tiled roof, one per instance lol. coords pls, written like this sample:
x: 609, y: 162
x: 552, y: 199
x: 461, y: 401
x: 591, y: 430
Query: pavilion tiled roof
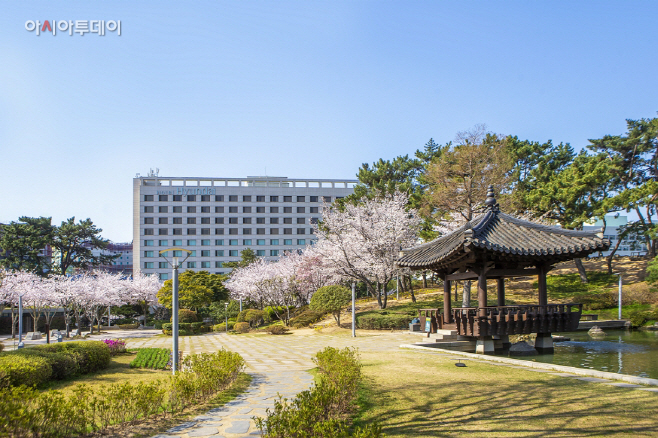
x: 503, y: 237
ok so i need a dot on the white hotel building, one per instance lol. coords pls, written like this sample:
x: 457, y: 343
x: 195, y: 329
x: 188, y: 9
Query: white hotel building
x: 216, y: 218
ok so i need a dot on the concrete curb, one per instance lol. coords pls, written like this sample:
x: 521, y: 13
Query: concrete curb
x: 544, y: 366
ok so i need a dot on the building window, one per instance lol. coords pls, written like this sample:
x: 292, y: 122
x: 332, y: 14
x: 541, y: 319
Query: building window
x: 301, y: 210
x: 287, y: 241
x: 191, y: 220
x: 191, y: 231
x: 219, y: 198
x: 310, y: 231
x: 191, y: 209
x: 163, y: 209
x: 148, y: 198
x: 178, y: 198
x: 191, y: 265
x: 163, y: 220
x: 164, y: 276
x: 219, y: 231
x: 274, y: 231
x: 192, y: 253
x: 233, y: 220
x: 301, y: 220
x: 246, y: 209
x: 148, y: 220
x: 287, y: 209
x: 205, y: 231
x: 218, y: 264
x: 178, y: 209
x: 191, y: 243
x: 260, y: 253
x: 162, y: 265
x: 205, y: 253
x: 260, y: 230
x: 274, y: 241
x: 301, y: 230
x: 260, y: 241
x: 246, y: 242
x: 205, y: 209
x: 219, y: 209
x: 178, y: 254
x: 219, y: 220
x: 301, y: 198
x: 163, y: 198
x: 260, y: 198
x: 326, y: 198
x: 274, y: 252
x: 233, y: 231
x: 219, y: 242
x: 274, y: 199
x: 163, y: 242
x: 148, y: 231
x: 287, y: 199
x: 274, y: 209
x: 260, y: 209
x: 148, y: 209
x: 313, y: 209
x: 177, y: 231
x: 191, y: 198
x: 177, y: 220
x: 163, y: 232
x: 260, y: 220
x: 314, y: 220
x: 205, y: 220
x: 178, y: 242
x: 233, y: 242
x: 233, y: 209
x: 205, y: 198
x: 148, y: 265
x: 232, y: 198
x: 219, y: 253
x: 274, y: 220
x: 287, y: 231
x: 301, y: 241
x: 246, y: 199
x: 148, y: 253
x: 246, y: 231
x: 313, y: 198
x: 246, y: 220
x: 205, y: 242
x: 287, y: 220
x: 233, y: 253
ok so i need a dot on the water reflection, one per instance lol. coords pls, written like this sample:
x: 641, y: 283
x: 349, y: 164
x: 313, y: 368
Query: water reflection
x: 634, y: 353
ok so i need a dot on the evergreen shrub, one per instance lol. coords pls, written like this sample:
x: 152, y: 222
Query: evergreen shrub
x: 241, y: 327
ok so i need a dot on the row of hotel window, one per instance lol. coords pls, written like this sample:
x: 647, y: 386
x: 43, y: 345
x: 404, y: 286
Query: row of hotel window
x: 231, y: 220
x: 234, y: 198
x: 218, y: 264
x: 193, y: 209
x: 220, y: 231
x: 220, y: 242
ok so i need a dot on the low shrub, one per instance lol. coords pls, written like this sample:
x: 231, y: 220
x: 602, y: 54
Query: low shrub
x: 129, y: 326
x: 63, y: 364
x: 241, y: 327
x: 154, y: 358
x: 116, y: 346
x: 378, y: 321
x: 306, y: 318
x: 93, y: 355
x: 186, y: 316
x: 277, y: 330
x: 159, y: 323
x: 254, y: 317
x: 29, y: 370
x: 222, y: 327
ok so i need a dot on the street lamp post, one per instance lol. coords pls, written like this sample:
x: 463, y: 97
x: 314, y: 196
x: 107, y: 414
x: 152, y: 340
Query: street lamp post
x: 619, y: 300
x: 20, y: 322
x: 174, y: 301
x: 226, y: 315
x: 353, y: 314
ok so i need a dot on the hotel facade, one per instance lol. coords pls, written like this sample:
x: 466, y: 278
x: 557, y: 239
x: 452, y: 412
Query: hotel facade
x: 217, y: 218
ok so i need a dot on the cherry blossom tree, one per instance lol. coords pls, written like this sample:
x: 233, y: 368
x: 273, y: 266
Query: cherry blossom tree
x: 362, y: 241
x: 144, y: 289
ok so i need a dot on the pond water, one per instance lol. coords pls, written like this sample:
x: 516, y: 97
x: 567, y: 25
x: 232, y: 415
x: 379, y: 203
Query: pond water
x: 621, y: 351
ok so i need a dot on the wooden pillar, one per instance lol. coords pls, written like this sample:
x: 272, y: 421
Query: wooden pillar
x: 482, y: 292
x: 543, y: 293
x: 501, y: 291
x: 447, y: 303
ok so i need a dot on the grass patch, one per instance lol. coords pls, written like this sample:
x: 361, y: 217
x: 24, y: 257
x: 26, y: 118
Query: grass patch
x: 565, y: 286
x: 428, y: 396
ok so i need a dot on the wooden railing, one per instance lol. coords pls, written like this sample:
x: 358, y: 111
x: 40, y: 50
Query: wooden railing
x: 516, y: 320
x: 435, y: 318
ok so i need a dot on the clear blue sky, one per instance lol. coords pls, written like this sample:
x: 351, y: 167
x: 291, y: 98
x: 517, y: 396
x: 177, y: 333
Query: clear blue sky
x: 302, y: 89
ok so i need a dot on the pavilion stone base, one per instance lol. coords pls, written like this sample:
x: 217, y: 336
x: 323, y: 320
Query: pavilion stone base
x: 544, y: 343
x: 501, y: 342
x: 485, y: 345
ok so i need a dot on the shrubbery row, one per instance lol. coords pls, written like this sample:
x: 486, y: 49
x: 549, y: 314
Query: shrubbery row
x: 186, y: 328
x: 323, y: 410
x: 377, y: 321
x: 27, y: 412
x: 39, y: 364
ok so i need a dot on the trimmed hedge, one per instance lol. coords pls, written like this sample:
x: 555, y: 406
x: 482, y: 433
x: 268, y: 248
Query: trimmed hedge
x: 306, y: 318
x: 241, y: 327
x: 39, y: 364
x: 185, y: 328
x: 222, y: 327
x: 378, y: 321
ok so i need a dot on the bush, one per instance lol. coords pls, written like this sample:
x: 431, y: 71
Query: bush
x: 116, y: 346
x: 306, y: 318
x: 271, y: 311
x: 254, y: 317
x: 159, y: 323
x: 379, y: 321
x: 153, y: 358
x: 186, y: 316
x: 29, y: 370
x: 63, y: 364
x: 331, y: 299
x: 222, y: 327
x: 638, y: 317
x: 277, y: 330
x: 241, y: 327
x: 93, y: 355
x: 129, y: 326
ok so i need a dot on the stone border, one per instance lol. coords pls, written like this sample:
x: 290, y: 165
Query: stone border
x: 545, y: 366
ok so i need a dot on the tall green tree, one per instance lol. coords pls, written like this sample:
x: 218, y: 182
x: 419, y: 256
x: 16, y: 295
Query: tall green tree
x: 22, y: 244
x: 195, y: 290
x: 73, y: 244
x: 247, y: 257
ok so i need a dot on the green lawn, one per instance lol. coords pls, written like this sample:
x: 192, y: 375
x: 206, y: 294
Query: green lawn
x: 417, y: 394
